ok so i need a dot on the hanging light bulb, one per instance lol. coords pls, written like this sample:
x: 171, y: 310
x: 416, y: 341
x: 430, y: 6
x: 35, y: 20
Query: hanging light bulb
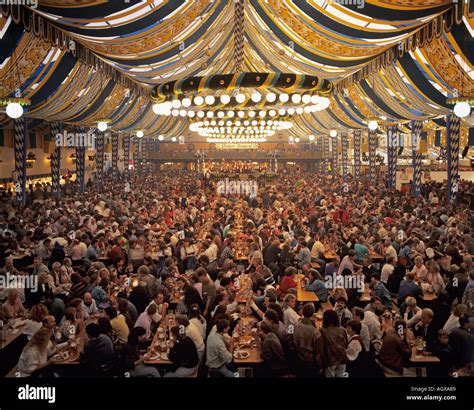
x: 140, y: 134
x: 333, y: 133
x: 256, y: 97
x: 161, y: 137
x: 311, y: 137
x: 210, y: 99
x: 176, y: 104
x: 14, y: 110
x: 299, y: 110
x: 297, y: 139
x: 373, y: 125
x: 462, y: 109
x: 240, y: 98
x: 173, y: 139
x: 296, y: 98
x: 251, y: 114
x: 210, y: 114
x: 175, y: 113
x: 262, y: 113
x: 101, y: 125
x: 306, y: 98
x: 191, y: 114
x: 271, y: 97
x: 198, y: 100
x: 225, y: 99
x: 241, y: 114
x: 200, y: 114
x: 230, y: 113
x: 284, y: 97
x: 282, y: 111
x: 291, y: 111
x: 186, y: 102
x: 272, y: 113
x: 220, y: 114
x: 182, y: 113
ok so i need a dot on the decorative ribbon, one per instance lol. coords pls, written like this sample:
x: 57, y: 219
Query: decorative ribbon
x: 452, y: 137
x: 20, y: 159
x: 326, y: 154
x: 239, y: 28
x: 345, y: 157
x: 81, y: 162
x: 392, y: 142
x: 126, y: 156
x: 136, y: 156
x: 334, y: 155
x: 115, y: 148
x: 55, y: 129
x: 416, y: 130
x: 357, y: 135
x: 99, y: 159
x: 372, y: 151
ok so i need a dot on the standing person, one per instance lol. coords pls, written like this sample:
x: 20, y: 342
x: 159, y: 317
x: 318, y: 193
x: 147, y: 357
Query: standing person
x: 334, y: 345
x: 357, y: 356
x: 208, y: 290
x: 218, y: 353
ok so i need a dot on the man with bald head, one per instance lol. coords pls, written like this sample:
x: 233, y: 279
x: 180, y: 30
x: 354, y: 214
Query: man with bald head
x: 88, y: 305
x: 13, y: 307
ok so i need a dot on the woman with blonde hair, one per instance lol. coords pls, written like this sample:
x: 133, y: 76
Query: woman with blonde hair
x: 34, y: 355
x: 34, y: 323
x: 291, y: 318
x: 453, y: 320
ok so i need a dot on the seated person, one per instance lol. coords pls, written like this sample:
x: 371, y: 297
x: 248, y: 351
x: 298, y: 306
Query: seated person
x: 183, y: 354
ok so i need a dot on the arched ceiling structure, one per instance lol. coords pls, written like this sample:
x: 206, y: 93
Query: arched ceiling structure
x: 395, y: 60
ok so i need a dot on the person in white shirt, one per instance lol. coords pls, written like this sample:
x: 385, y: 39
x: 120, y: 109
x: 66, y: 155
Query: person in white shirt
x: 291, y: 318
x: 412, y: 313
x: 196, y: 318
x: 358, y: 314
x: 193, y: 333
x: 372, y: 320
x: 420, y: 269
x: 35, y: 322
x: 387, y: 269
x: 390, y: 251
x: 453, y: 320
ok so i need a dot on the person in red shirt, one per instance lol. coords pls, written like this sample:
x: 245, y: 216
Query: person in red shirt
x: 288, y: 281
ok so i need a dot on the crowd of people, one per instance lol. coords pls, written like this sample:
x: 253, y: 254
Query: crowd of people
x: 173, y: 231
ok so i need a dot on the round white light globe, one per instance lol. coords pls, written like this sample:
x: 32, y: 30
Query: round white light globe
x: 198, y: 100
x: 14, y: 110
x: 140, y: 134
x: 160, y: 138
x: 373, y: 125
x: 271, y: 97
x: 284, y: 97
x: 311, y: 137
x: 240, y: 98
x: 173, y: 139
x: 210, y: 100
x: 333, y: 133
x: 306, y: 98
x: 101, y: 125
x: 297, y: 139
x: 462, y: 109
x: 186, y: 102
x: 176, y: 104
x: 256, y: 97
x: 296, y: 98
x: 231, y: 114
x: 225, y: 99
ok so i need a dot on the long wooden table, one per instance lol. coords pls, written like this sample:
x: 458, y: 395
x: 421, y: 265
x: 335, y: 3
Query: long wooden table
x: 303, y: 295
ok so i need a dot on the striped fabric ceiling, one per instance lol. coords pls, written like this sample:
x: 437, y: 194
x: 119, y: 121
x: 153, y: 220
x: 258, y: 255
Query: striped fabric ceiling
x: 149, y: 42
